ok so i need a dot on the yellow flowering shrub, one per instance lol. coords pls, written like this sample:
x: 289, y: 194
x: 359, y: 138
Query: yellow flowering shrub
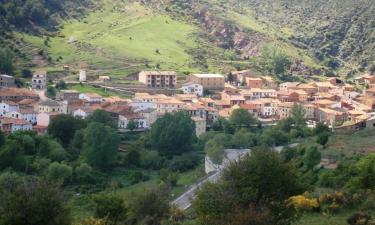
x: 301, y: 202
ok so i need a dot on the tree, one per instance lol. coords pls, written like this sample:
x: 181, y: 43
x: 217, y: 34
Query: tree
x: 298, y: 115
x: 2, y: 138
x: 101, y: 116
x: 149, y: 207
x: 110, y: 207
x: 51, y: 92
x: 32, y: 202
x: 321, y: 128
x: 59, y: 172
x: 215, y: 151
x: 365, y: 173
x: 132, y: 125
x: 61, y: 85
x: 101, y: 143
x: 274, y: 60
x: 63, y: 127
x: 6, y: 61
x: 172, y: 134
x: 322, y: 139
x: 241, y: 118
x: 311, y: 157
x: 258, y: 185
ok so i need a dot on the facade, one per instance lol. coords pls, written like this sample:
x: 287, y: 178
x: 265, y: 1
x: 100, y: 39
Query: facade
x: 7, y: 106
x: 27, y: 114
x: 82, y: 76
x: 240, y: 76
x: 11, y: 125
x: 91, y: 97
x: 50, y: 106
x: 7, y: 81
x: 158, y: 79
x: 256, y: 93
x: 125, y: 118
x: 192, y: 88
x: 168, y: 106
x: 43, y: 119
x: 67, y: 95
x: 17, y: 94
x: 253, y: 82
x: 284, y: 110
x: 150, y: 115
x: 200, y: 125
x: 208, y: 81
x: 39, y: 80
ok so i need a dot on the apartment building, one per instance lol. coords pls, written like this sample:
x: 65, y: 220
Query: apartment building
x: 158, y: 79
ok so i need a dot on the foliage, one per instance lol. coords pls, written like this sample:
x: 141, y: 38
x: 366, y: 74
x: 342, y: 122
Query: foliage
x: 365, y: 173
x: 34, y: 202
x: 241, y: 118
x: 274, y: 60
x: 301, y: 202
x: 322, y: 139
x: 101, y: 143
x: 215, y: 151
x: 110, y: 207
x: 63, y: 127
x: 172, y: 134
x: 132, y: 125
x: 311, y: 157
x: 101, y: 116
x: 359, y: 218
x: 6, y: 61
x: 148, y: 207
x: 59, y: 172
x: 244, y: 188
x: 51, y: 92
x: 168, y: 177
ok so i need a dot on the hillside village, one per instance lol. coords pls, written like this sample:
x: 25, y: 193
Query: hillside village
x: 205, y: 97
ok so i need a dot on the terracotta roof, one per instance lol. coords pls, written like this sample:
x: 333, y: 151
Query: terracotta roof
x: 50, y: 103
x: 248, y: 106
x: 7, y: 120
x: 17, y: 92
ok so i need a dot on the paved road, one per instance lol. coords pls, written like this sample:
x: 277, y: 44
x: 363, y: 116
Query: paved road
x: 184, y: 201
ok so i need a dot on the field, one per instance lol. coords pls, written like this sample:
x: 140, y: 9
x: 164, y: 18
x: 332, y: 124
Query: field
x: 120, y: 39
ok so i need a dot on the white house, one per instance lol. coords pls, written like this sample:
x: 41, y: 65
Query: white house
x: 11, y: 125
x: 91, y: 97
x: 27, y: 114
x: 138, y: 105
x: 8, y: 106
x: 125, y: 118
x: 82, y: 76
x: 192, y: 88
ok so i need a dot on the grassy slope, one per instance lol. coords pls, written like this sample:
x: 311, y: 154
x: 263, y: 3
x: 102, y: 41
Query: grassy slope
x: 122, y: 40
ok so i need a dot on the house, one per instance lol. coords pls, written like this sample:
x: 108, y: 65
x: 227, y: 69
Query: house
x: 365, y: 79
x: 126, y: 116
x: 43, y: 119
x: 27, y: 114
x: 208, y: 81
x: 302, y: 95
x: 82, y: 76
x: 194, y: 110
x: 265, y: 107
x: 240, y: 76
x: 68, y: 95
x: 7, y: 106
x: 268, y: 82
x: 51, y: 106
x: 39, y: 80
x: 309, y: 111
x: 11, y: 125
x: 192, y: 88
x: 288, y: 96
x: 251, y: 108
x: 91, y: 97
x: 254, y: 82
x: 288, y: 85
x: 146, y: 97
x: 150, y: 115
x: 284, y: 109
x: 308, y: 88
x: 86, y: 110
x: 104, y: 79
x: 169, y: 105
x: 256, y: 93
x: 232, y: 98
x: 17, y: 94
x: 330, y: 116
x: 7, y: 81
x: 187, y: 98
x: 323, y: 86
x: 138, y: 105
x: 200, y: 126
x: 158, y: 79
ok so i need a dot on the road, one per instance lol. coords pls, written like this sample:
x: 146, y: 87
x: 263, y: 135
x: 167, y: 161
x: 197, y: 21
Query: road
x: 184, y: 201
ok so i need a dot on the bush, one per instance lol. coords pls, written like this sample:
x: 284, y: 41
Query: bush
x: 137, y: 176
x: 59, y: 172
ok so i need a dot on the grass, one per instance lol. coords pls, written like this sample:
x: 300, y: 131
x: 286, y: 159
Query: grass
x: 91, y: 89
x: 321, y: 219
x: 120, y: 40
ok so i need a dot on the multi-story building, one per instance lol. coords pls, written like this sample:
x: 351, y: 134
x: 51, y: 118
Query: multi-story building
x: 17, y: 94
x: 208, y: 81
x: 7, y: 81
x: 158, y: 79
x: 39, y: 80
x: 192, y: 88
x: 50, y: 106
x: 254, y: 82
x: 68, y: 95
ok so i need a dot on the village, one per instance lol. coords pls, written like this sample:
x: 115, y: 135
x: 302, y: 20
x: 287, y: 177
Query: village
x: 344, y: 106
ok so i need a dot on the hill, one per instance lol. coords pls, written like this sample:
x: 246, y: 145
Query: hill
x: 119, y: 38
